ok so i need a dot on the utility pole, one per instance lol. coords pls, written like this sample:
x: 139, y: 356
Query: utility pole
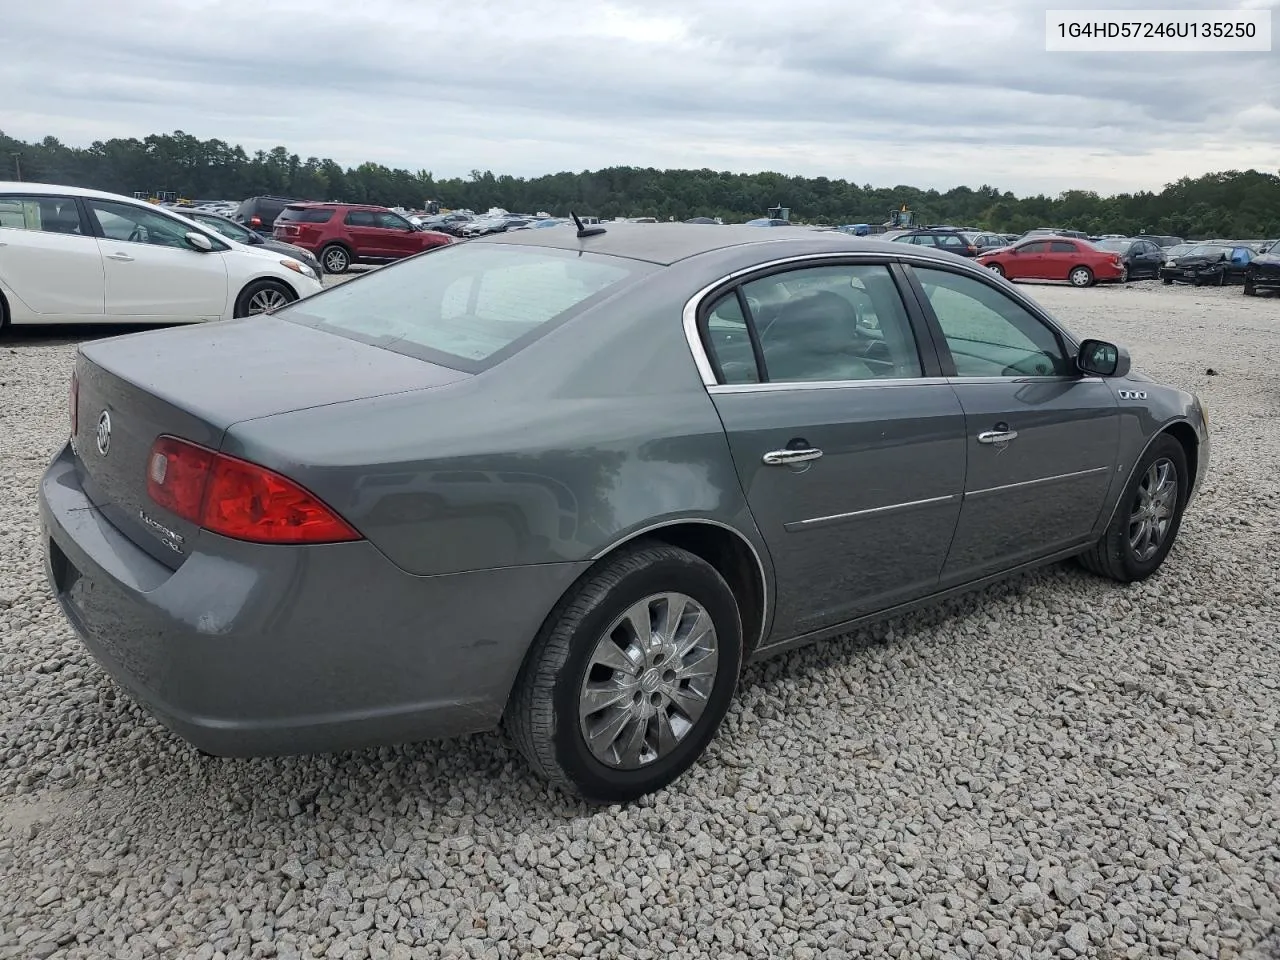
x: 17, y: 164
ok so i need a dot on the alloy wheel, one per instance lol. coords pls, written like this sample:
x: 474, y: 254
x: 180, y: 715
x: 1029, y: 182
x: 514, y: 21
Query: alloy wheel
x: 1154, y: 508
x: 648, y: 681
x: 267, y: 300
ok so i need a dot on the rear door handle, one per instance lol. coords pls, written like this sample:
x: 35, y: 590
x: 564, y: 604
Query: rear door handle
x: 775, y: 457
x: 123, y: 257
x: 997, y: 436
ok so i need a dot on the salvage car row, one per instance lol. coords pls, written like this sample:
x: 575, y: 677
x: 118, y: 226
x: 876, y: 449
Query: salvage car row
x: 71, y: 255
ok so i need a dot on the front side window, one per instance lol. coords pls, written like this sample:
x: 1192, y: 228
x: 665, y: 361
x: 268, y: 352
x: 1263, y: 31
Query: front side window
x: 844, y: 322
x: 1038, y: 246
x: 467, y: 306
x: 44, y: 214
x: 122, y: 221
x: 988, y: 333
x: 390, y: 221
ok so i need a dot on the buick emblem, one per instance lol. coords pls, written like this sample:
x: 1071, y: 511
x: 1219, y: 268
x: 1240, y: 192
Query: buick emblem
x: 104, y: 433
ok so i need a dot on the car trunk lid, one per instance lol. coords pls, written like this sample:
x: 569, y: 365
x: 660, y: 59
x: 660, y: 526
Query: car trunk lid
x: 195, y: 382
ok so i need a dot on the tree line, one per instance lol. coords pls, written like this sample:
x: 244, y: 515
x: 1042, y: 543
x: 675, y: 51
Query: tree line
x: 1231, y: 203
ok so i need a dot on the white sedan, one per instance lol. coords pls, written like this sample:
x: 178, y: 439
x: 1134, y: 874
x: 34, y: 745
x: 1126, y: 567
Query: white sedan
x: 70, y: 255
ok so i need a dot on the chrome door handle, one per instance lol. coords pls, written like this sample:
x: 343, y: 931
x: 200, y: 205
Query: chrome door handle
x: 775, y: 457
x: 123, y: 257
x: 997, y: 436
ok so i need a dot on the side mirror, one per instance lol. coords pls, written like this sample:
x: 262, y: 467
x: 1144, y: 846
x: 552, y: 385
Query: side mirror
x: 198, y: 241
x: 1098, y: 358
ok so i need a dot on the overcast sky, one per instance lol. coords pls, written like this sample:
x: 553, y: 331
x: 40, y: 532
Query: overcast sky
x: 923, y: 92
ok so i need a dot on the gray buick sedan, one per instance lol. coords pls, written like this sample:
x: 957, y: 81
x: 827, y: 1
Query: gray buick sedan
x: 567, y: 482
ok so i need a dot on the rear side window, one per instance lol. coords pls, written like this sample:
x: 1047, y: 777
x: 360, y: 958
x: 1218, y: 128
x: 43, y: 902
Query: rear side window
x: 1062, y: 246
x: 468, y: 306
x: 359, y: 218
x: 45, y: 214
x: 304, y: 215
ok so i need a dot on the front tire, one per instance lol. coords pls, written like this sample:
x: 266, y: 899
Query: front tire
x: 263, y: 296
x: 335, y: 258
x: 1080, y: 277
x: 630, y: 676
x: 1148, y: 517
x: 1249, y: 290
x: 996, y: 269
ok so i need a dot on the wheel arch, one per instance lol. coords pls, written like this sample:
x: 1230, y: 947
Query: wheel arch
x: 1181, y: 431
x: 732, y: 555
x: 258, y: 279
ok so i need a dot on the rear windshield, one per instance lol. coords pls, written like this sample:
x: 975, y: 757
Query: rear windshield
x: 304, y: 215
x: 468, y: 306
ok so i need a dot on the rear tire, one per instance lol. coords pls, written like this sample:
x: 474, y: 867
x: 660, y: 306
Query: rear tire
x: 1080, y: 277
x: 588, y: 654
x: 1249, y: 291
x: 263, y: 296
x: 1166, y: 281
x: 335, y: 258
x: 1116, y: 555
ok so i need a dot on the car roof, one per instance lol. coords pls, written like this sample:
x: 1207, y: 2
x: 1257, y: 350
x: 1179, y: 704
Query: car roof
x: 668, y: 243
x: 334, y: 205
x: 46, y: 189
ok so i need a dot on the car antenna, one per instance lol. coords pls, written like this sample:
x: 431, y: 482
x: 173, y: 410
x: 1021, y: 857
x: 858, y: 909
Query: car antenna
x: 585, y: 231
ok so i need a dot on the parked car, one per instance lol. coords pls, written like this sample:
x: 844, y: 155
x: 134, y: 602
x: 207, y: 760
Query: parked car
x: 1263, y: 272
x: 345, y: 233
x: 250, y: 238
x: 1161, y: 241
x: 986, y: 242
x: 501, y: 223
x: 70, y: 255
x: 950, y: 240
x: 450, y: 223
x: 1054, y: 232
x: 259, y: 213
x: 1142, y: 258
x: 285, y: 567
x: 767, y: 222
x: 1055, y: 258
x: 1269, y: 245
x: 1208, y: 263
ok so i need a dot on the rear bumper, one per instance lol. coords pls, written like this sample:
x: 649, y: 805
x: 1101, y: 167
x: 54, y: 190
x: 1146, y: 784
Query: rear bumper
x: 248, y: 650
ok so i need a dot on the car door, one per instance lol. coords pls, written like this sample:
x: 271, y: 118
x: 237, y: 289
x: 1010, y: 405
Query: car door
x: 399, y: 238
x: 1024, y: 260
x: 152, y: 273
x: 953, y: 243
x: 49, y: 260
x: 849, y: 446
x: 1042, y: 440
x: 365, y: 235
x: 1057, y: 261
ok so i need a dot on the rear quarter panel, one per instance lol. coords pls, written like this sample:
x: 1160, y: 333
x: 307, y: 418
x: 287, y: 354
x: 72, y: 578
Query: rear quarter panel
x: 598, y: 430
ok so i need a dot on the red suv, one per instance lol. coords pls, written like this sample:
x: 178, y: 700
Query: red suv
x: 341, y: 234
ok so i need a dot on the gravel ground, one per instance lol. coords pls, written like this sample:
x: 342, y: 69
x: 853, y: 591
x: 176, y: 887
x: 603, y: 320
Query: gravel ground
x: 1056, y: 767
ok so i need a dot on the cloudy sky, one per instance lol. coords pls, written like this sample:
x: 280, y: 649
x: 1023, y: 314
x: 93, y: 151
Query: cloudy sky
x: 925, y: 92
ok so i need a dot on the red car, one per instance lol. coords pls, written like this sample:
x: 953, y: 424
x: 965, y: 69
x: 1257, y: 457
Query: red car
x: 1078, y: 262
x: 341, y: 234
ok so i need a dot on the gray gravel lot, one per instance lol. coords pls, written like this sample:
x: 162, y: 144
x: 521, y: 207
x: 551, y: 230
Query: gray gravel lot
x: 1055, y: 767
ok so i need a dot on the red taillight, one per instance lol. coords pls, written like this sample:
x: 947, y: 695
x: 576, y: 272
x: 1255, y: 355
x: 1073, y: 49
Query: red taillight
x: 255, y: 221
x: 73, y: 403
x: 238, y: 499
